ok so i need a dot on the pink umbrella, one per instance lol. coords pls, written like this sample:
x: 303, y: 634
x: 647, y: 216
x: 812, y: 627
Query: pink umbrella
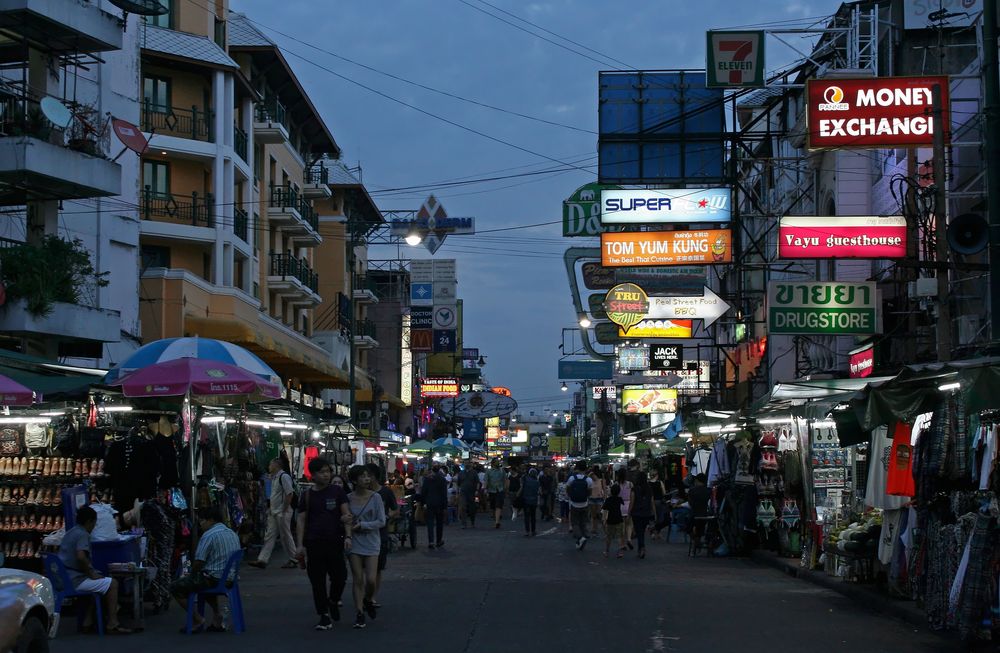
x: 13, y: 393
x: 206, y: 381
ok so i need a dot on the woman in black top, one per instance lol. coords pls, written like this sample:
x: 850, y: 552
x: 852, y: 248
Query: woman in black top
x: 642, y: 509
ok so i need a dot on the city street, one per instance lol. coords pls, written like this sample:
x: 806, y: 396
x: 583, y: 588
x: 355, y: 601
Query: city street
x: 496, y: 591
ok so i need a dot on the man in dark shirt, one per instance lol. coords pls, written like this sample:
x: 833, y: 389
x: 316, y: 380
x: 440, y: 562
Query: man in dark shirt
x: 546, y: 492
x: 698, y: 498
x: 391, y: 512
x: 435, y: 497
x: 321, y: 539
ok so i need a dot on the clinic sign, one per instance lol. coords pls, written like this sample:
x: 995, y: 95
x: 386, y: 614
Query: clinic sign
x: 821, y: 308
x: 642, y: 248
x: 874, y: 112
x: 802, y: 237
x: 665, y: 206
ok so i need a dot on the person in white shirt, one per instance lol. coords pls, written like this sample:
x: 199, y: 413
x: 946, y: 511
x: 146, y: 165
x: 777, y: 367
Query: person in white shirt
x: 279, y: 518
x: 578, y: 488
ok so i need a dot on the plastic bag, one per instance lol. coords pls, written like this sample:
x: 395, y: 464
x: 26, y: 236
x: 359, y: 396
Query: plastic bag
x: 106, y: 528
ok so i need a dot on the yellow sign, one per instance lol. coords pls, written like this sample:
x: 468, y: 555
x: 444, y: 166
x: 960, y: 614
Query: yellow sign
x: 626, y: 304
x: 644, y: 400
x: 659, y: 329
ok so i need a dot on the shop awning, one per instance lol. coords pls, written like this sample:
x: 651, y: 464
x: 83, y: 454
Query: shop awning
x: 304, y: 361
x: 363, y: 395
x: 822, y: 388
x: 50, y: 379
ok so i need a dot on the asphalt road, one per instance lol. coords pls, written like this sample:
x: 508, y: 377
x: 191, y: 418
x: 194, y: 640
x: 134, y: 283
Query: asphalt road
x: 495, y: 591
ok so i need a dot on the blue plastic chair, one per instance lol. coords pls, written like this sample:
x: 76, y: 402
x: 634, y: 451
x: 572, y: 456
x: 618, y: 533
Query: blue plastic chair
x: 231, y: 592
x: 63, y: 588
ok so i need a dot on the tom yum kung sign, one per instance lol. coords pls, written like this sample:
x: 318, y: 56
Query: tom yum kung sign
x: 874, y: 112
x: 821, y: 308
x: 640, y: 248
x: 801, y: 237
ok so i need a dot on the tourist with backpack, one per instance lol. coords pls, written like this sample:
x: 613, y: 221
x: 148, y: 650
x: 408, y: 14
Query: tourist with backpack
x: 578, y: 493
x: 279, y: 517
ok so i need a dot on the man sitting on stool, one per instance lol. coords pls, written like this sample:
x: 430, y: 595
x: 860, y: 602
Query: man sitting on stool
x: 75, y: 555
x: 216, y: 546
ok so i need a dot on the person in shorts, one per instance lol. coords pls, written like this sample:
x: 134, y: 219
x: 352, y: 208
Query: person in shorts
x: 614, y: 521
x: 74, y: 551
x: 496, y: 487
x: 215, y: 546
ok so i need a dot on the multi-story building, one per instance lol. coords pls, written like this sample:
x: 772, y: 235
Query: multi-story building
x: 230, y: 226
x: 67, y: 67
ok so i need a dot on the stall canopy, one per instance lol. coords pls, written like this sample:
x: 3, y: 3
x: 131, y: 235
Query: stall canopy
x: 50, y: 379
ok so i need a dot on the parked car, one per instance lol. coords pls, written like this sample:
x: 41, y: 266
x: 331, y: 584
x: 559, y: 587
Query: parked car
x: 27, y: 612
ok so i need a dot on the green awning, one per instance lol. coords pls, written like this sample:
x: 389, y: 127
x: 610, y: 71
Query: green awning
x: 51, y: 379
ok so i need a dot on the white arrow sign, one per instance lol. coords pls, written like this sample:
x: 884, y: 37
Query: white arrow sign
x: 709, y: 307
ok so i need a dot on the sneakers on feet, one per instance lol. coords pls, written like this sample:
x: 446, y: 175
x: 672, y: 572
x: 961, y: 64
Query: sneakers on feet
x: 335, y: 610
x: 325, y: 623
x: 370, y: 609
x: 582, y: 542
x: 359, y: 621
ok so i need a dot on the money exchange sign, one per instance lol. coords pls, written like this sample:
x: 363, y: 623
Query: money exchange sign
x: 821, y: 308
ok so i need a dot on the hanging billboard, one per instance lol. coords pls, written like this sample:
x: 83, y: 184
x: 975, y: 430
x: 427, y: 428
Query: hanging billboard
x: 582, y: 211
x: 821, y: 308
x: 645, y: 248
x: 632, y: 358
x: 438, y: 387
x: 660, y: 329
x: 735, y: 59
x: 646, y: 400
x: 874, y: 112
x: 862, y: 362
x: 665, y: 206
x: 856, y: 236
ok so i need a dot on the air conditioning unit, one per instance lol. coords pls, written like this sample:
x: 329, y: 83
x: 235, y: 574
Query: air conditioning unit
x: 364, y: 415
x: 967, y: 328
x: 922, y: 288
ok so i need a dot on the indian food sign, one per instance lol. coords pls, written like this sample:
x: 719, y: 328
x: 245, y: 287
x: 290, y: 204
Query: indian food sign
x: 821, y: 308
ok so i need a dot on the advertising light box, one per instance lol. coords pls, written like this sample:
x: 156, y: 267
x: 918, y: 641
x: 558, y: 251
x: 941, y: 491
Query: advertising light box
x: 802, y: 237
x: 821, y: 308
x: 862, y: 362
x: 874, y: 112
x: 704, y: 247
x: 660, y: 329
x: 438, y: 387
x: 646, y: 400
x: 599, y: 390
x: 633, y: 358
x: 665, y: 206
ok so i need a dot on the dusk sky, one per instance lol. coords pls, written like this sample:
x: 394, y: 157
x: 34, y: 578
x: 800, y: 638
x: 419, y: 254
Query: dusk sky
x: 513, y: 282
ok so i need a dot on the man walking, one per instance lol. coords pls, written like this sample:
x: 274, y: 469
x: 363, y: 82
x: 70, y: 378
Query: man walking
x: 468, y: 486
x: 435, y: 494
x: 279, y: 517
x: 546, y: 493
x: 578, y: 492
x: 496, y: 486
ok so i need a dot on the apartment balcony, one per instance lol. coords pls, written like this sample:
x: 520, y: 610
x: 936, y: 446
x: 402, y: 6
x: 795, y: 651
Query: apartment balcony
x: 270, y: 124
x: 61, y: 25
x: 292, y: 279
x: 196, y: 210
x: 315, y: 183
x: 288, y: 209
x: 193, y: 123
x: 240, y: 142
x: 65, y: 321
x: 364, y: 334
x: 364, y: 290
x: 241, y: 224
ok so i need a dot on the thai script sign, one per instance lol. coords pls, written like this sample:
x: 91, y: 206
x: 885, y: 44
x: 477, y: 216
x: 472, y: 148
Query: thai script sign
x: 821, y: 308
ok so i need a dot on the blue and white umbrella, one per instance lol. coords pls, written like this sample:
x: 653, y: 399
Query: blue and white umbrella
x: 450, y: 442
x: 170, y: 349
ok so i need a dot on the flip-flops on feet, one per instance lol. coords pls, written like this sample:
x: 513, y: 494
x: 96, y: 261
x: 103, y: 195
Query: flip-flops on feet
x: 199, y: 628
x: 119, y: 630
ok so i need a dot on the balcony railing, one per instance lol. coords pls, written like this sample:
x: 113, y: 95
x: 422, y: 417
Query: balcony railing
x: 319, y: 175
x: 193, y: 123
x: 241, y: 224
x: 271, y: 111
x: 286, y: 265
x: 364, y: 328
x: 363, y: 282
x: 286, y: 197
x: 240, y: 142
x: 197, y: 210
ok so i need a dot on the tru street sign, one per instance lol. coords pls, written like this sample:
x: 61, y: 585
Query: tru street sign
x: 709, y: 307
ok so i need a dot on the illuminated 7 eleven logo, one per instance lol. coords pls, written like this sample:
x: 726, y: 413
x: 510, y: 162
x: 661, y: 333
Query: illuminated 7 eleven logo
x: 735, y: 59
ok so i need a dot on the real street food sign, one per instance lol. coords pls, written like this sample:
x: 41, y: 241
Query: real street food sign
x: 821, y: 308
x: 662, y: 206
x: 874, y: 112
x: 802, y: 237
x: 704, y: 247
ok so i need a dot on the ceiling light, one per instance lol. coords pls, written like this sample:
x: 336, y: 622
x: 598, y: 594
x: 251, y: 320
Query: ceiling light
x: 709, y: 429
x: 947, y: 387
x: 115, y: 409
x: 775, y: 420
x: 825, y: 424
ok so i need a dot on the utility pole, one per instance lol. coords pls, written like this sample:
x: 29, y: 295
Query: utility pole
x: 941, y: 230
x: 991, y: 108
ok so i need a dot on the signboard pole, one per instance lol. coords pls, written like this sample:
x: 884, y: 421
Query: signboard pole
x: 991, y: 111
x: 941, y: 229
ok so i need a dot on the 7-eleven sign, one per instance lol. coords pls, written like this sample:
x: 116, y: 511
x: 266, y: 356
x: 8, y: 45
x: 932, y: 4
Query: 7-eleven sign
x: 735, y: 59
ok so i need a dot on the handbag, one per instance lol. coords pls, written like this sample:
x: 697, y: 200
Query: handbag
x: 418, y: 514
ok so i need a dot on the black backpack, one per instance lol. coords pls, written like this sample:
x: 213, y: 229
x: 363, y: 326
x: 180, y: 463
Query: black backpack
x: 577, y: 489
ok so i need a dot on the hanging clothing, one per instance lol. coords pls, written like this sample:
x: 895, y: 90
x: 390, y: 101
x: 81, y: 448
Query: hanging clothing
x: 700, y: 461
x: 160, y: 531
x: 744, y: 466
x: 899, y: 474
x: 166, y: 452
x: 718, y: 466
x: 133, y: 466
x: 890, y: 534
x: 878, y: 469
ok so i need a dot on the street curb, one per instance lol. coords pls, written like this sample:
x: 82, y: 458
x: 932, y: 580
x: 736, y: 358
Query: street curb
x: 861, y: 595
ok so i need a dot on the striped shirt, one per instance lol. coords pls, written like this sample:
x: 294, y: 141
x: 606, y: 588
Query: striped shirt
x: 215, y: 547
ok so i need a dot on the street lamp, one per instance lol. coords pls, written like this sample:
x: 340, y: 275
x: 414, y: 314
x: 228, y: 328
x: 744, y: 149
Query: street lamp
x: 564, y: 388
x: 585, y: 322
x: 413, y: 238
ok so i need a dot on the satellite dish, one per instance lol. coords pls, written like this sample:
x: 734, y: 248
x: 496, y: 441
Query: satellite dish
x: 56, y: 112
x: 141, y: 7
x: 130, y: 135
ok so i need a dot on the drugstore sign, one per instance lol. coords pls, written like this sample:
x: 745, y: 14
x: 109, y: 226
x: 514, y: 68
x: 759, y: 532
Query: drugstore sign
x: 801, y: 237
x: 821, y: 308
x: 879, y: 112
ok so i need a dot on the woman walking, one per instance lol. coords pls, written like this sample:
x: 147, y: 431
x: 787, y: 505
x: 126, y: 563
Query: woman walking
x: 625, y: 491
x: 368, y: 511
x: 662, y: 518
x: 529, y: 500
x: 598, y: 493
x: 563, y: 501
x: 643, y: 509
